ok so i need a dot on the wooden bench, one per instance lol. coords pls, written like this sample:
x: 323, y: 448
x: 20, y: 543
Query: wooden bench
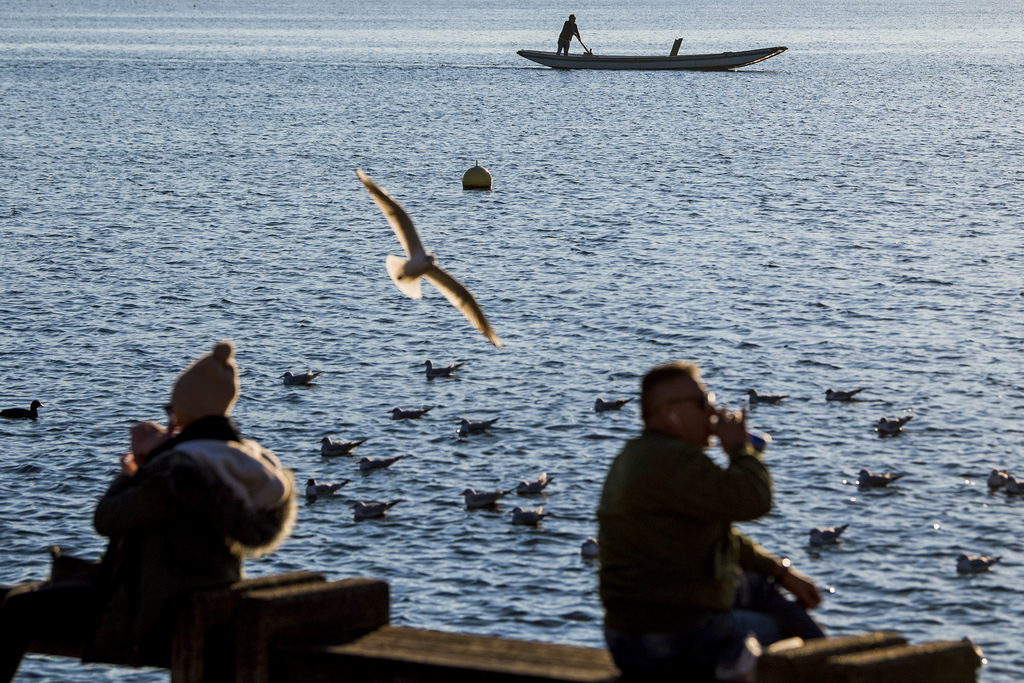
x: 876, y: 657
x: 227, y: 634
x: 300, y: 628
x: 419, y: 656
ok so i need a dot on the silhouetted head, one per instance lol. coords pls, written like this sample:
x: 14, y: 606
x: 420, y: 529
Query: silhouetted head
x: 572, y: 18
x: 35, y: 404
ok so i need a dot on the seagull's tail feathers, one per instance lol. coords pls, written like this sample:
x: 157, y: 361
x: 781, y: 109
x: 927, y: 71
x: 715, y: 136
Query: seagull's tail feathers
x: 410, y: 286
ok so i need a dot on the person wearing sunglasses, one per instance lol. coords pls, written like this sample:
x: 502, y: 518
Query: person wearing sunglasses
x: 684, y: 592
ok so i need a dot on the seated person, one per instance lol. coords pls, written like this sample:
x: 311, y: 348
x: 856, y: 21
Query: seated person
x: 682, y: 589
x: 190, y: 504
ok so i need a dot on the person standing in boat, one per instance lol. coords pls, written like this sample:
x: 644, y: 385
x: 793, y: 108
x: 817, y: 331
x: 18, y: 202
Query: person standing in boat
x: 569, y: 30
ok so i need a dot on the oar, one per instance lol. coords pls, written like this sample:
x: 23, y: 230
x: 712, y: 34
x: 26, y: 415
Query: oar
x: 586, y: 50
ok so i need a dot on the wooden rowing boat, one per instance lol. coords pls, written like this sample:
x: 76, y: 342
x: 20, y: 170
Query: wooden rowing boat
x: 722, y: 61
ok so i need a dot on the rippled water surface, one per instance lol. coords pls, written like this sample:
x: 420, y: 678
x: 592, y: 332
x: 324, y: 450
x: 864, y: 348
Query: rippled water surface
x: 846, y: 214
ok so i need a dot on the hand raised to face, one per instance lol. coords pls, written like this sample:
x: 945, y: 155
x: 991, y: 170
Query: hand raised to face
x: 731, y: 428
x: 146, y: 436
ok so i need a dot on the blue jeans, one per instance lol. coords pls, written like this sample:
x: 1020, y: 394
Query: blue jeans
x: 692, y: 654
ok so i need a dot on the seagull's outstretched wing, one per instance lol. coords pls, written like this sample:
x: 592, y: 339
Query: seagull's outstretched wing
x: 462, y: 299
x: 397, y: 217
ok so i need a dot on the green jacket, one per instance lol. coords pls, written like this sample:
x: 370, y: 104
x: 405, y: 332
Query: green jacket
x: 669, y: 553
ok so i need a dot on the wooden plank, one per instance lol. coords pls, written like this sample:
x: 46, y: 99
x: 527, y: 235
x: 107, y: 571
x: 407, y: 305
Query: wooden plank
x: 421, y: 656
x: 808, y: 663
x: 203, y: 648
x: 951, y: 661
x: 334, y: 612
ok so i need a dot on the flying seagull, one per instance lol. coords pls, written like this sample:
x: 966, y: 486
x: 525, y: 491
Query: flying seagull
x: 406, y: 273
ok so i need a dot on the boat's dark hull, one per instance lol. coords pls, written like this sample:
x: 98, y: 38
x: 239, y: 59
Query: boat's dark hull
x: 722, y: 61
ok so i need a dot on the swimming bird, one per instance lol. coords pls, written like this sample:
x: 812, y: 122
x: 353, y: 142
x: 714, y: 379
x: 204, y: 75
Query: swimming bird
x: 313, y: 489
x: 828, y: 535
x: 378, y: 463
x: 406, y: 274
x: 842, y: 395
x: 873, y: 481
x: 997, y: 479
x: 755, y: 398
x: 892, y: 425
x: 441, y: 371
x: 468, y: 427
x: 329, y: 448
x: 535, y: 486
x: 601, y: 405
x: 22, y: 414
x: 590, y: 549
x: 414, y: 414
x: 528, y: 517
x: 372, y: 509
x: 482, y: 499
x: 975, y: 564
x: 1013, y: 485
x: 305, y: 378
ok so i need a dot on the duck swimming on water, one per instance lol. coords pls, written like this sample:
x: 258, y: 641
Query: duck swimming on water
x: 22, y: 414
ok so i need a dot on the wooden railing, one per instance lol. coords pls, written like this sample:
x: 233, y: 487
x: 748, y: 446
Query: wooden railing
x: 300, y: 628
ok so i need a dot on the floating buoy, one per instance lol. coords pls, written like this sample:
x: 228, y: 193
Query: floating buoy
x: 476, y: 178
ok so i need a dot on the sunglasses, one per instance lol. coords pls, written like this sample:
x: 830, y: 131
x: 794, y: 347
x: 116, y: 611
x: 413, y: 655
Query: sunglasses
x: 704, y: 401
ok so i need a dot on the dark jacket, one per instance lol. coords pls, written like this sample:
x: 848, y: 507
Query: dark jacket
x: 185, y: 521
x: 669, y: 553
x: 568, y: 31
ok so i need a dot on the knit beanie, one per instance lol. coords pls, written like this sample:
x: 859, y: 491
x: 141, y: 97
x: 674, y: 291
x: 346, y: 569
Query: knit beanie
x: 209, y: 386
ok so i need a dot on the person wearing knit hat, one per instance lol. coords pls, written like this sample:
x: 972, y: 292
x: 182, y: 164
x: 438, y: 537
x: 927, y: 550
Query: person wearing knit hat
x: 191, y: 503
x: 209, y: 386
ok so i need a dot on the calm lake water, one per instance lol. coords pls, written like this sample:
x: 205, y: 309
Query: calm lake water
x: 846, y: 214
